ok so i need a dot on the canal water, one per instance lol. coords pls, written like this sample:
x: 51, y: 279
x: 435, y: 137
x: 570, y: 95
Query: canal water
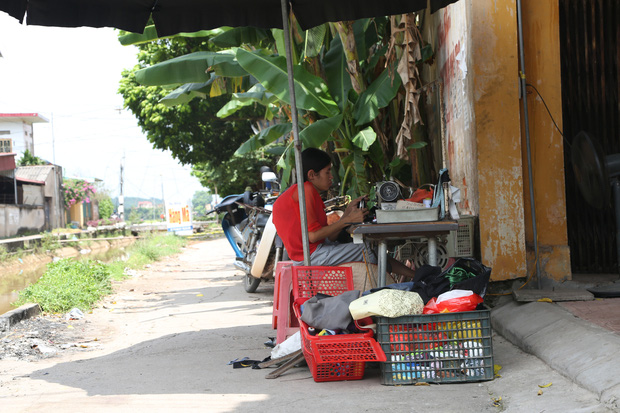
x: 11, y: 284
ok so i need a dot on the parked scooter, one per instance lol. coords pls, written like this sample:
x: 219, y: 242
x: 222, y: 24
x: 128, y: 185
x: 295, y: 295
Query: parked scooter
x: 250, y: 231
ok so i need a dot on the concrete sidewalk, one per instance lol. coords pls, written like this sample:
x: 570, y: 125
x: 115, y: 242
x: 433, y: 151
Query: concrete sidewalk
x: 580, y: 349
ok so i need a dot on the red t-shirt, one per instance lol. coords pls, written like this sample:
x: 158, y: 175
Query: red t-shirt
x: 287, y: 221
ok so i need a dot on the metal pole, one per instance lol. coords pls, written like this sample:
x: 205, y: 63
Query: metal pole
x: 297, y: 142
x: 57, y: 191
x: 527, y: 140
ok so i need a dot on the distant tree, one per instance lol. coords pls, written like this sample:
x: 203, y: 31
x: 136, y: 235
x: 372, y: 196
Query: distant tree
x: 104, y: 200
x: 236, y: 175
x: 199, y: 200
x: 28, y: 159
x: 106, y: 208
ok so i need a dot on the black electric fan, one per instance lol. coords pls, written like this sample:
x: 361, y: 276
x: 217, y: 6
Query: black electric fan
x: 598, y: 179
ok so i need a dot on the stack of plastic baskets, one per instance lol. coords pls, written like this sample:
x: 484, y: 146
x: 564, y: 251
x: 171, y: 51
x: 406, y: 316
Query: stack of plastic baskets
x: 335, y: 357
x: 437, y: 348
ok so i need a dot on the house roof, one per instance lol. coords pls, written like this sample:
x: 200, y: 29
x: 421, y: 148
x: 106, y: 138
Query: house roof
x: 30, y: 181
x: 24, y: 117
x: 34, y: 174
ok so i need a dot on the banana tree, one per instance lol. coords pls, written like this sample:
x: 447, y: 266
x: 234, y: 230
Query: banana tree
x: 346, y: 92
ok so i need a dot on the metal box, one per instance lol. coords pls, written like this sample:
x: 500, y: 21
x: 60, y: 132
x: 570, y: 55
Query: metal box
x: 407, y: 215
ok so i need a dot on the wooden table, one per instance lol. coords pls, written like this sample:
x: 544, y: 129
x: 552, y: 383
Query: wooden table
x: 382, y: 233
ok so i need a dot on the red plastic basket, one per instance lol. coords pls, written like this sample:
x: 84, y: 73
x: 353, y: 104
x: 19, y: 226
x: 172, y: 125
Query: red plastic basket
x: 339, y: 357
x: 308, y: 281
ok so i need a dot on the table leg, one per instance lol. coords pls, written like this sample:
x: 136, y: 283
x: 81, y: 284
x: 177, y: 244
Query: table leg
x: 382, y: 261
x: 432, y: 251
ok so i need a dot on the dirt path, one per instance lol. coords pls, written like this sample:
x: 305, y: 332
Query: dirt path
x: 163, y: 341
x: 139, y: 340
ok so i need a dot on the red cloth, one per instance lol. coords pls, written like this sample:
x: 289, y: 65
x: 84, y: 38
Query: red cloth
x: 421, y: 194
x: 287, y: 221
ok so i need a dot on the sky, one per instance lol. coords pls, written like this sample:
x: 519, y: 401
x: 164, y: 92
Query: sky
x: 70, y: 76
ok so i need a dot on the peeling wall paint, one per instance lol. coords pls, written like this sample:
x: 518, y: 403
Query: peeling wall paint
x: 454, y: 62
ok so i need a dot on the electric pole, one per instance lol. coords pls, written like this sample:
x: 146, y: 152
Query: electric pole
x: 121, y: 198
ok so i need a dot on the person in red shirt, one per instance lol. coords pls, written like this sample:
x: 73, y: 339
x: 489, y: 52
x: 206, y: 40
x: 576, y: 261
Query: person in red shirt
x: 324, y: 249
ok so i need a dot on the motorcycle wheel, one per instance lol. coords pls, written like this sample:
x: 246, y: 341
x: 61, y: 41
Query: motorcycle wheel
x: 250, y: 283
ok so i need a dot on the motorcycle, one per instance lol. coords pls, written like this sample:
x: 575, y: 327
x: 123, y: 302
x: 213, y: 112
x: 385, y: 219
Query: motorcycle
x: 248, y: 227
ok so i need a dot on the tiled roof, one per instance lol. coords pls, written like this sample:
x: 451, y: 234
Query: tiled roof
x: 34, y: 173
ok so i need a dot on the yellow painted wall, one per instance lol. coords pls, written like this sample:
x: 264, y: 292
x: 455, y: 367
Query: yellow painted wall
x: 542, y: 70
x: 499, y: 150
x: 76, y: 214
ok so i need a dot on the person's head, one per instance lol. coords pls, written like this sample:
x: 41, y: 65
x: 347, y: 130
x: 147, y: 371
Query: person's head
x: 317, y: 168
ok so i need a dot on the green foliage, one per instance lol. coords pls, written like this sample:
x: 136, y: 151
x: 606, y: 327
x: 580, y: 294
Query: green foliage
x: 49, y: 243
x: 351, y: 100
x: 199, y: 200
x: 67, y: 284
x: 149, y: 249
x: 235, y: 175
x: 106, y: 208
x: 28, y: 159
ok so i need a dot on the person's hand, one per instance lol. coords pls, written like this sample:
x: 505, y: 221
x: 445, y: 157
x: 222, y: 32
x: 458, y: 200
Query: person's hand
x: 354, y: 214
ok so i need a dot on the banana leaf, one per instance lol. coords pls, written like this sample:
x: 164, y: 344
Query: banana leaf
x: 150, y: 34
x: 314, y: 40
x: 314, y: 135
x: 311, y: 92
x: 231, y: 107
x: 365, y: 138
x: 265, y: 137
x: 187, y: 92
x: 190, y: 68
x: 377, y: 96
x: 237, y: 36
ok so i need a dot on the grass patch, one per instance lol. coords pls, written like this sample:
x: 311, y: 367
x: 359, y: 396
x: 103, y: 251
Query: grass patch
x: 72, y: 283
x: 67, y: 284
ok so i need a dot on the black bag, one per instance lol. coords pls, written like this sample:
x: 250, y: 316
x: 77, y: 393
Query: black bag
x: 480, y: 280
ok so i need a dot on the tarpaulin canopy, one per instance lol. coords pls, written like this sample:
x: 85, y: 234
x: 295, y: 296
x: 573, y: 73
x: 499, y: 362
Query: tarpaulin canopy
x: 176, y: 16
x: 179, y: 16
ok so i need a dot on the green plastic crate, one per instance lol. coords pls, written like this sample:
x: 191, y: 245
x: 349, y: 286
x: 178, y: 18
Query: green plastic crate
x: 436, y: 348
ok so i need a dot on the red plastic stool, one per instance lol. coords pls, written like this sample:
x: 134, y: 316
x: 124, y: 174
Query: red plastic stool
x: 283, y: 318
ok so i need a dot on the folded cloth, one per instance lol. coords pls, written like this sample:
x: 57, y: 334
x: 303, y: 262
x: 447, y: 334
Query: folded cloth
x: 331, y: 313
x: 387, y: 303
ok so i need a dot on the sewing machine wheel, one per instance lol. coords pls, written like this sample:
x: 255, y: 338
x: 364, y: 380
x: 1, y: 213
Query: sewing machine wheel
x: 420, y: 256
x: 389, y: 191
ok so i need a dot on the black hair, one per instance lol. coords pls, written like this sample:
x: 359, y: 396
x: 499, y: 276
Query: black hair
x: 314, y: 159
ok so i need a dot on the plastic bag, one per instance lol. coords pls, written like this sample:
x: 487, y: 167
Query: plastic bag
x: 479, y: 280
x: 452, y: 302
x: 387, y: 303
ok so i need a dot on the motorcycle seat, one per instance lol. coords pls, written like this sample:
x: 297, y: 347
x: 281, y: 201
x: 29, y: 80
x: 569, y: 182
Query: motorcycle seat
x: 261, y: 220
